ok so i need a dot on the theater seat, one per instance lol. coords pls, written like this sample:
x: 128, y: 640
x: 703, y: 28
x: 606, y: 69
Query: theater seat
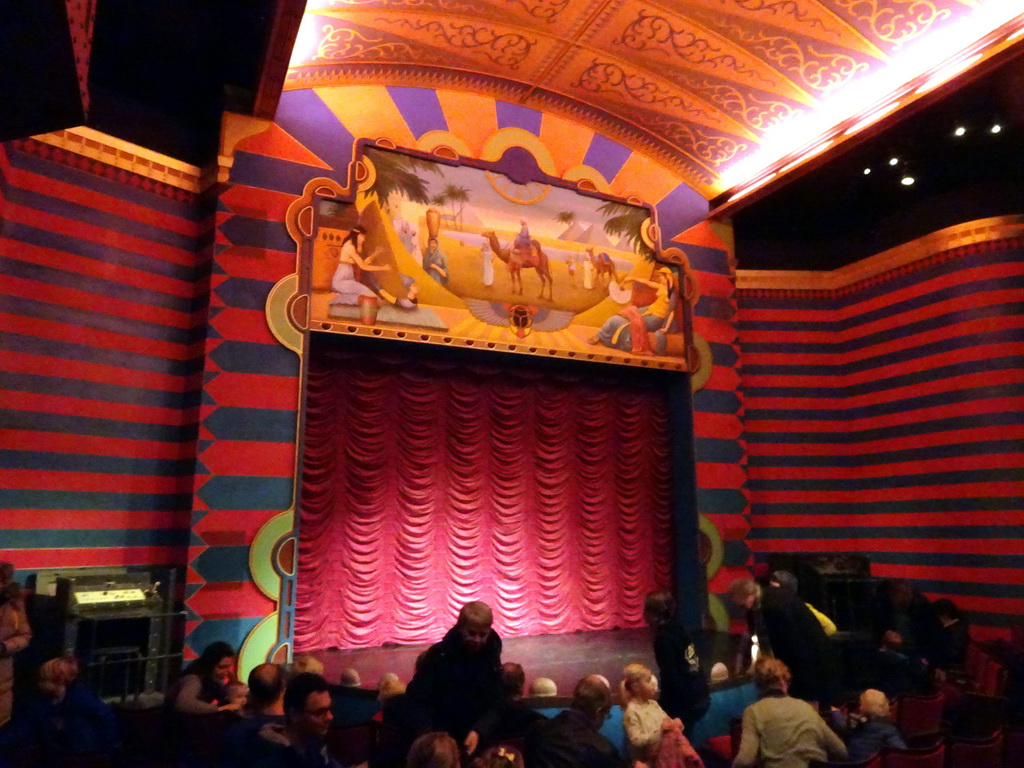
x: 933, y: 757
x: 975, y: 753
x: 875, y: 761
x: 352, y: 744
x: 919, y: 716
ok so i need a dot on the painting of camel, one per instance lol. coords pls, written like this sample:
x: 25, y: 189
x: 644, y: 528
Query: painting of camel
x: 466, y: 253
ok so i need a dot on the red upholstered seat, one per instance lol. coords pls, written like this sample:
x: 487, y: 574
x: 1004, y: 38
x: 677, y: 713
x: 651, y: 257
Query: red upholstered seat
x: 975, y: 663
x: 1013, y: 746
x: 933, y: 757
x: 993, y: 680
x: 352, y: 744
x: 975, y: 753
x: 875, y: 761
x: 919, y: 715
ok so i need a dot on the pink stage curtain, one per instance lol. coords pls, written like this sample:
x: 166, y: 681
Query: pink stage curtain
x: 425, y: 486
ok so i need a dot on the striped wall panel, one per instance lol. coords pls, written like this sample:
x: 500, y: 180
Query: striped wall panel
x: 100, y: 358
x: 718, y: 407
x: 888, y: 419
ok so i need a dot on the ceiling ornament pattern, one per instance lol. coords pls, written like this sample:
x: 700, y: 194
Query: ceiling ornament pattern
x: 705, y: 85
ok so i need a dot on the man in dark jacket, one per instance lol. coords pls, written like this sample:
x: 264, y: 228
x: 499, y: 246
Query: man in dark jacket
x: 787, y: 630
x: 684, y: 690
x: 458, y: 686
x: 572, y: 739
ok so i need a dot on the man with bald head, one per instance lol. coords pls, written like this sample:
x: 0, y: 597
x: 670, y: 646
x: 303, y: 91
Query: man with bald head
x: 572, y: 739
x: 242, y: 741
x: 458, y: 686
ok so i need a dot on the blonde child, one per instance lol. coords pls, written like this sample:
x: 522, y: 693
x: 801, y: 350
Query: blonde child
x: 655, y: 739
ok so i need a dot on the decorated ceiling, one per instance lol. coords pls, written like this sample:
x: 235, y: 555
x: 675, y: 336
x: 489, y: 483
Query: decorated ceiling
x: 701, y: 85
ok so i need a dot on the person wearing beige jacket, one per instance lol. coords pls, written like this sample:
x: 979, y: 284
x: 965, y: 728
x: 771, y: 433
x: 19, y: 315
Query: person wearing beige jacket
x: 14, y: 636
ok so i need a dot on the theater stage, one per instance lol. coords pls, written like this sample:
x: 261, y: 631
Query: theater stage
x: 563, y: 658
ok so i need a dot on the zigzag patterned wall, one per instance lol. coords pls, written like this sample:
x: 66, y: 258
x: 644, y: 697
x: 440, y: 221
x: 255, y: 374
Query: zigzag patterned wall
x: 886, y: 419
x: 719, y: 447
x: 101, y: 327
x: 248, y: 430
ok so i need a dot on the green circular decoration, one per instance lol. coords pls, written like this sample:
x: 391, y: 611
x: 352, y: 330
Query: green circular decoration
x: 699, y: 377
x: 709, y: 529
x: 261, y: 553
x: 277, y: 313
x: 718, y: 613
x: 257, y: 646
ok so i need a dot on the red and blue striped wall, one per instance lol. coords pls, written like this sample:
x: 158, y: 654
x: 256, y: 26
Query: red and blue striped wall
x: 101, y: 337
x: 888, y: 419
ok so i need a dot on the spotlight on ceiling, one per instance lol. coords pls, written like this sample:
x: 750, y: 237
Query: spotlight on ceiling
x: 893, y: 160
x: 867, y: 171
x: 907, y: 180
x: 996, y: 128
x: 960, y: 131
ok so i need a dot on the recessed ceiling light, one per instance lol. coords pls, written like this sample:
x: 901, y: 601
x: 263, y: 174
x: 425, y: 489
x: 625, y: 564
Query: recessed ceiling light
x: 893, y: 160
x: 960, y: 131
x: 996, y: 128
x: 867, y: 171
x: 906, y: 181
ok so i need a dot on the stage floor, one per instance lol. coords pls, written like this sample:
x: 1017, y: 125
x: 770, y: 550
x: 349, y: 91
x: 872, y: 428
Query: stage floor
x: 563, y: 658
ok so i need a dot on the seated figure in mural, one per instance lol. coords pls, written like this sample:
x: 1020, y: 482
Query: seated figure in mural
x: 458, y: 686
x: 628, y: 330
x: 350, y: 256
x: 435, y: 263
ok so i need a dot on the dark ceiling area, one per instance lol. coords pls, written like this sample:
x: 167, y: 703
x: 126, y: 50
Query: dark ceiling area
x: 857, y: 204
x: 162, y: 72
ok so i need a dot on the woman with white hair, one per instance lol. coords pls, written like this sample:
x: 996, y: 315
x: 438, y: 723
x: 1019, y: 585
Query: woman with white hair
x: 871, y: 730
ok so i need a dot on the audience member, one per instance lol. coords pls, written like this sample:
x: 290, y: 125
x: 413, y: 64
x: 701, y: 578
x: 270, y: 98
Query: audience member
x: 543, y: 686
x: 15, y: 635
x: 869, y: 730
x: 956, y: 634
x: 719, y: 673
x: 788, y: 582
x: 433, y: 750
x: 305, y: 663
x: 65, y: 717
x: 516, y: 717
x: 299, y: 743
x: 572, y: 739
x: 389, y: 686
x: 684, y: 690
x: 780, y: 731
x: 897, y: 606
x: 457, y: 688
x: 237, y: 693
x: 350, y: 678
x: 787, y: 631
x: 265, y: 706
x: 203, y: 686
x: 655, y: 739
x: 898, y: 672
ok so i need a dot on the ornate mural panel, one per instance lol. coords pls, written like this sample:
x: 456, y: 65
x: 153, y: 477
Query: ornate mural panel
x: 485, y: 255
x: 703, y: 84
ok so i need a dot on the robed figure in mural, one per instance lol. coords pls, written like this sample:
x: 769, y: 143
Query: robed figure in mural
x: 629, y: 329
x: 350, y: 256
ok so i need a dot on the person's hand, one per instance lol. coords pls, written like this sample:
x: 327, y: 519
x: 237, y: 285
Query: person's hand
x: 471, y: 742
x: 231, y: 706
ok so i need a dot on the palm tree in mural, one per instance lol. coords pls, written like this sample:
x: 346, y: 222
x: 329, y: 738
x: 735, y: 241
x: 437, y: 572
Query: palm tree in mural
x: 627, y: 221
x: 567, y: 218
x: 457, y: 194
x: 401, y: 175
x: 440, y: 200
